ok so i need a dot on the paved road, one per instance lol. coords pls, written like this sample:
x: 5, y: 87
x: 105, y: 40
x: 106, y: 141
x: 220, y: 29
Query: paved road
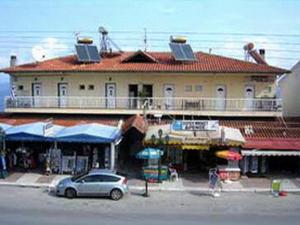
x: 35, y: 206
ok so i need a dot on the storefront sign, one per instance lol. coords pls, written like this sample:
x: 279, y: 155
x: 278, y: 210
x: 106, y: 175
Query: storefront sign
x: 48, y: 129
x: 195, y: 125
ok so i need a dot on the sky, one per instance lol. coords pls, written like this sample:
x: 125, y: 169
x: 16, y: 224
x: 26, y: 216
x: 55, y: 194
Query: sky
x: 222, y: 25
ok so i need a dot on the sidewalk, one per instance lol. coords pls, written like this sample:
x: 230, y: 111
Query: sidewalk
x: 185, y: 183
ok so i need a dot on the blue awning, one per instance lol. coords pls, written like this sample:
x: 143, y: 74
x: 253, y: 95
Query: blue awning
x: 39, y: 131
x: 89, y: 133
x: 5, y: 126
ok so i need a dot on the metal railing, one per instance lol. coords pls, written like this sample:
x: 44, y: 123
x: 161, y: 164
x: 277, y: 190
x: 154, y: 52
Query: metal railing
x: 138, y: 103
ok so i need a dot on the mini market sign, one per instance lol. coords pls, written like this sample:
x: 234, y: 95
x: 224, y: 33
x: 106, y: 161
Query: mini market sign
x: 195, y: 125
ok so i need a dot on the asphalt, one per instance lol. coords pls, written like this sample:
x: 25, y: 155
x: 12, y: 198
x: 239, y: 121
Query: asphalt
x: 37, y: 206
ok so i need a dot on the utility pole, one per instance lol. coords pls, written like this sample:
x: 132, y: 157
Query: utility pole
x: 145, y: 39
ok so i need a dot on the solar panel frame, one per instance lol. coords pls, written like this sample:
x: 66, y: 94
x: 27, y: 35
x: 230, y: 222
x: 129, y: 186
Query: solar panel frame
x: 87, y: 53
x: 177, y: 51
x: 93, y: 53
x: 188, y: 51
x: 182, y: 52
x: 82, y: 54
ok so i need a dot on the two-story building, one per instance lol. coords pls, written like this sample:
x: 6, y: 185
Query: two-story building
x: 155, y: 84
x: 127, y: 83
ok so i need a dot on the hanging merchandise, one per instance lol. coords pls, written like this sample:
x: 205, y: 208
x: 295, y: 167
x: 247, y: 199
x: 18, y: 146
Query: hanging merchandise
x: 82, y: 164
x: 263, y: 165
x: 68, y: 164
x: 245, y: 164
x: 55, y: 160
x: 3, y: 169
x: 254, y: 164
x: 107, y: 159
x: 95, y: 158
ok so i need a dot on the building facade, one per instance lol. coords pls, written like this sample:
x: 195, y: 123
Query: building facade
x: 212, y: 85
x: 149, y: 83
x: 289, y: 87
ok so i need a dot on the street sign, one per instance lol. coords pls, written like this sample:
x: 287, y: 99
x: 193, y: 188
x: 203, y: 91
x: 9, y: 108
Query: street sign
x: 195, y: 125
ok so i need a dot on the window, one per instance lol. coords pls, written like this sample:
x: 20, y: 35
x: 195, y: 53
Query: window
x: 91, y: 87
x: 81, y: 87
x: 106, y: 178
x: 188, y: 88
x: 20, y: 87
x: 92, y: 179
x: 198, y: 88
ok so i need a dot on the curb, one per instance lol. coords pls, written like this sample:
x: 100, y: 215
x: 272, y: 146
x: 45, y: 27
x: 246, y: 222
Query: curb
x: 28, y: 185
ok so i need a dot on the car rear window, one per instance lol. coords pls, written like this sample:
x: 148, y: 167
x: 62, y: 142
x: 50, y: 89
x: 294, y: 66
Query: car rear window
x: 107, y: 178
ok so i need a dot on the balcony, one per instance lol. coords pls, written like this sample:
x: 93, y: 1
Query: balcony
x: 154, y: 105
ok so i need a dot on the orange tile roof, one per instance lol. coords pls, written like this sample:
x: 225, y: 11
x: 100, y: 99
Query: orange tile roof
x: 63, y: 120
x: 207, y: 63
x: 137, y: 122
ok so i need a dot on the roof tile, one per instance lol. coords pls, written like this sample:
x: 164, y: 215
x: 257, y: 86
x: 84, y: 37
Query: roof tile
x: 207, y: 63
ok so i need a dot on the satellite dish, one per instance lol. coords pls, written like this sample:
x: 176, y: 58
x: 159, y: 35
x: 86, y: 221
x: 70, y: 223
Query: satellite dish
x: 38, y: 53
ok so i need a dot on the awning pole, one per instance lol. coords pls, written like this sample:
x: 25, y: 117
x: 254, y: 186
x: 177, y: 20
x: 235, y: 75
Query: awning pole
x: 112, y: 155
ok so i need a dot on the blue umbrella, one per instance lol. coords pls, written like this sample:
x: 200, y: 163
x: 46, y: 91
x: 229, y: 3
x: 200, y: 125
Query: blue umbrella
x: 150, y: 153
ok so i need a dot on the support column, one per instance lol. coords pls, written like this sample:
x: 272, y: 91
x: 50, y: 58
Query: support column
x: 112, y: 155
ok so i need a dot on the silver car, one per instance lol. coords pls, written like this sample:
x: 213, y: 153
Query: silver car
x: 93, y: 183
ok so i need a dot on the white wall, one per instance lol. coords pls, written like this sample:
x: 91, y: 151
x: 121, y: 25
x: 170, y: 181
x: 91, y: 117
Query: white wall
x: 290, y: 92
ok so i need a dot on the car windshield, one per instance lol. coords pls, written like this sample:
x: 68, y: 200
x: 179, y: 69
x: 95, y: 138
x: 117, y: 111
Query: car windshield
x: 76, y: 177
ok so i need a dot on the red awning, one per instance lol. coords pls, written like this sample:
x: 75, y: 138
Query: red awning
x: 272, y: 143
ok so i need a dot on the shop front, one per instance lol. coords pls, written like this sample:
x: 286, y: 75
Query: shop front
x: 46, y: 147
x: 27, y: 145
x: 191, y: 145
x: 272, y: 156
x: 270, y: 162
x: 88, y: 146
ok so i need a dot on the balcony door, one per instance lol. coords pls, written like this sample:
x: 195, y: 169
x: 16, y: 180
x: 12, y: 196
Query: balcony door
x: 36, y: 94
x: 110, y: 94
x: 62, y: 95
x: 249, y: 97
x: 132, y: 94
x: 169, y: 90
x: 220, y: 102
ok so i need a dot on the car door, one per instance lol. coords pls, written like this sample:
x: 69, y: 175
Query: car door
x: 108, y: 182
x: 88, y: 185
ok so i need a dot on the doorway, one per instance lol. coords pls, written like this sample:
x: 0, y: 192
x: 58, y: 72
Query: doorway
x: 62, y: 95
x: 36, y: 94
x: 147, y: 94
x: 132, y: 94
x: 110, y: 93
x: 169, y: 90
x: 220, y: 97
x: 249, y: 97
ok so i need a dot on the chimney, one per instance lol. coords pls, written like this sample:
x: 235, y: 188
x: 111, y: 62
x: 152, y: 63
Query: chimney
x: 262, y: 53
x: 13, y: 60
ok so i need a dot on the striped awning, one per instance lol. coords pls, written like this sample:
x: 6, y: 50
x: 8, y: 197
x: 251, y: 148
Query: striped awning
x: 195, y: 147
x: 270, y: 153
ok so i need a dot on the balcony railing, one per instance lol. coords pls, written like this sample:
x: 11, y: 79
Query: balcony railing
x: 153, y: 103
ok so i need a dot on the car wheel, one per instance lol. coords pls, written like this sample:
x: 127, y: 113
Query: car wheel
x: 70, y: 193
x: 116, y: 194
